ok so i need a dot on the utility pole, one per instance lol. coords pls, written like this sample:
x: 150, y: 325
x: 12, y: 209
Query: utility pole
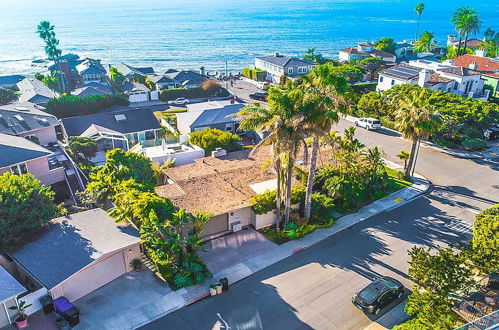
x: 226, y: 76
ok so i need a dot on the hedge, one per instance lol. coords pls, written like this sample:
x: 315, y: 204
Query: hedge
x: 255, y: 74
x: 71, y: 106
x: 474, y: 144
x: 190, y: 93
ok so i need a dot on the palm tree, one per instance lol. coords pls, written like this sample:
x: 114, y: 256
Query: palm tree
x: 46, y: 32
x: 326, y: 89
x: 415, y: 118
x: 419, y: 10
x: 467, y: 22
x: 425, y: 43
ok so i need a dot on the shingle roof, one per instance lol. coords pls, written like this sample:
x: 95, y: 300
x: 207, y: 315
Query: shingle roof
x: 143, y: 71
x: 283, y: 61
x: 9, y: 287
x: 485, y: 65
x: 128, y: 87
x: 11, y: 80
x: 17, y: 118
x: 459, y: 71
x: 160, y: 79
x: 86, y: 91
x: 103, y: 87
x: 72, y: 243
x: 16, y: 149
x: 137, y: 120
x: 34, y: 91
x: 211, y: 117
x: 186, y: 77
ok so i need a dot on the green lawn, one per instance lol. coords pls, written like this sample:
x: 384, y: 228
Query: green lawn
x: 394, y: 183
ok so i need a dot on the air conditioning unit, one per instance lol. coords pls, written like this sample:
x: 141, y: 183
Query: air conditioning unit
x: 237, y: 226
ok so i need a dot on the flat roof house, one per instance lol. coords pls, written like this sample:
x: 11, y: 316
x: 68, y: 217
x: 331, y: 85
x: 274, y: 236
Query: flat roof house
x: 435, y: 76
x: 364, y: 50
x: 28, y: 120
x: 10, y: 289
x: 78, y: 254
x: 34, y: 91
x: 278, y: 65
x: 219, y: 115
x: 19, y: 155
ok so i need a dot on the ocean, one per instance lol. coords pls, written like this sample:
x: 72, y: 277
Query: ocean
x: 190, y: 34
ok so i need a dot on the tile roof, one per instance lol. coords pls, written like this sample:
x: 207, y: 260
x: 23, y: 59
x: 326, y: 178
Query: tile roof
x: 472, y: 43
x: 16, y: 149
x: 436, y: 78
x: 485, y: 65
x: 34, y: 91
x: 284, y: 61
x: 9, y: 286
x: 375, y: 52
x: 72, y: 243
x: 22, y: 117
x: 136, y: 120
x: 459, y: 71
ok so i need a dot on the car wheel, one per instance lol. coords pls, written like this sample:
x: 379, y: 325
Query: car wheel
x: 400, y: 294
x: 356, y: 124
x: 376, y: 311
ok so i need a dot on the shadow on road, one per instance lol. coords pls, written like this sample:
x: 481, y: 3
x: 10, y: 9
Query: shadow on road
x: 388, y: 132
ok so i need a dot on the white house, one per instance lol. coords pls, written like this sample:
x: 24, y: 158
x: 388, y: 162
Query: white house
x: 278, y: 65
x: 435, y: 76
x: 364, y: 50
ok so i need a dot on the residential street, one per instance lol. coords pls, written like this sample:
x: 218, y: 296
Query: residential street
x: 313, y: 288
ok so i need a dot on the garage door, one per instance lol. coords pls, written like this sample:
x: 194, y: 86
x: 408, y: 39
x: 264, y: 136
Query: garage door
x: 139, y: 97
x: 94, y: 277
x: 216, y: 224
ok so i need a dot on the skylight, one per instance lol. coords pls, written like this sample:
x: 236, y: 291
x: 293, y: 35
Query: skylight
x: 120, y: 117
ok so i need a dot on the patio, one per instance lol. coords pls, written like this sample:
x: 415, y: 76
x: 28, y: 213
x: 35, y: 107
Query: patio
x: 226, y: 251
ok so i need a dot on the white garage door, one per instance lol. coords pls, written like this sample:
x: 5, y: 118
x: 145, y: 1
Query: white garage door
x: 94, y: 277
x: 139, y: 97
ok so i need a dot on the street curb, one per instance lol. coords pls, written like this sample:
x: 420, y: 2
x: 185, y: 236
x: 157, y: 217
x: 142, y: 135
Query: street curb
x: 301, y: 245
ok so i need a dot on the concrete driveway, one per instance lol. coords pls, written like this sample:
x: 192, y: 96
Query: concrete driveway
x: 228, y: 250
x: 130, y: 299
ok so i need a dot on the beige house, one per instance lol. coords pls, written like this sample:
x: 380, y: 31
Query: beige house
x: 19, y: 155
x: 78, y: 254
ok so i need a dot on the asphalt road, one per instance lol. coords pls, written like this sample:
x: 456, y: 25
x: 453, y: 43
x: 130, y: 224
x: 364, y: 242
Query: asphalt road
x: 313, y: 288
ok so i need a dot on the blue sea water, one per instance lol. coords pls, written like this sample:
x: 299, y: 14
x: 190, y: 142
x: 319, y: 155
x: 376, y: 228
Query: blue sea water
x: 189, y: 34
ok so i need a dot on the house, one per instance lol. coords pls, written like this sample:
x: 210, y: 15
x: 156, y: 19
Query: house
x: 67, y: 65
x: 365, y: 50
x: 163, y: 82
x: 181, y: 152
x: 78, y: 254
x: 488, y: 67
x: 10, y: 81
x: 28, y: 120
x: 117, y: 129
x: 10, y: 289
x: 135, y: 91
x: 403, y: 49
x: 435, y: 76
x: 215, y: 114
x: 87, y: 91
x: 471, y: 43
x: 133, y: 73
x: 91, y: 70
x: 186, y: 78
x: 34, y: 91
x: 221, y: 186
x: 278, y: 65
x: 19, y: 155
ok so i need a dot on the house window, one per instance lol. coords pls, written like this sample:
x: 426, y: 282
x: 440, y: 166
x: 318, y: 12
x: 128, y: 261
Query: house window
x: 290, y: 70
x: 381, y: 79
x: 455, y: 84
x: 228, y: 127
x: 19, y: 169
x: 150, y: 135
x: 393, y: 82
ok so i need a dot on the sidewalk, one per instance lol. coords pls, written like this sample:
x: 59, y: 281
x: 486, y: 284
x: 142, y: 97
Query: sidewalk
x: 491, y: 152
x: 183, y: 297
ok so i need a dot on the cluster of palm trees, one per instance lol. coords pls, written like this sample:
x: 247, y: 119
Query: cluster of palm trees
x: 296, y: 112
x: 46, y: 32
x: 466, y: 22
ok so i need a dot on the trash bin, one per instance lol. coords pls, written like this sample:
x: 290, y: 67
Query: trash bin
x: 62, y: 324
x: 72, y: 315
x: 225, y: 284
x: 47, y: 304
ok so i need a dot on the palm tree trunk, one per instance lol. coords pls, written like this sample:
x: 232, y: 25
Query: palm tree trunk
x: 310, y: 181
x: 59, y: 80
x: 278, y: 195
x: 287, y: 198
x: 411, y: 157
x: 465, y: 43
x: 459, y: 46
x: 417, y: 29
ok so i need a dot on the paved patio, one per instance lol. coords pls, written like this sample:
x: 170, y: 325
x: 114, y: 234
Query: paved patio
x: 129, y: 295
x: 231, y: 249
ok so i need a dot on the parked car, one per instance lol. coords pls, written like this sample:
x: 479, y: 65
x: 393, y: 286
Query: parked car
x: 378, y: 294
x: 492, y: 132
x: 179, y: 101
x: 368, y: 123
x: 262, y: 84
x: 260, y: 96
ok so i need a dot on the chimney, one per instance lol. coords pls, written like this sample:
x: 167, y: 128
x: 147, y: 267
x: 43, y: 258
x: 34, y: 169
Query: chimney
x: 202, y: 71
x: 473, y: 66
x: 218, y: 152
x: 424, y: 75
x: 450, y: 39
x: 481, y: 52
x: 276, y: 54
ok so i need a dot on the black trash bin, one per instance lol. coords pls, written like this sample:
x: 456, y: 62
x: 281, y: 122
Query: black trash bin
x: 47, y: 304
x: 72, y: 315
x: 62, y: 324
x: 225, y: 284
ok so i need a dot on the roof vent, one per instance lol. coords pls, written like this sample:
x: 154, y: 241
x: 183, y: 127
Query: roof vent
x: 21, y: 108
x: 18, y: 117
x: 43, y: 121
x: 120, y: 117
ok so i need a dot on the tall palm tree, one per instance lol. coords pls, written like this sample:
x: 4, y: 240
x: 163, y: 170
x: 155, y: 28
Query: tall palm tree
x: 416, y: 119
x: 467, y: 22
x: 46, y: 32
x: 419, y: 10
x: 326, y: 88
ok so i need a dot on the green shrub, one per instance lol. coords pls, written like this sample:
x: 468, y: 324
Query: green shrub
x: 474, y: 144
x: 255, y: 74
x: 71, y: 106
x: 322, y: 208
x: 210, y: 139
x: 191, y: 93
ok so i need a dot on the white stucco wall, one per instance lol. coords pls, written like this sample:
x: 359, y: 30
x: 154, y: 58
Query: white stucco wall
x: 244, y: 215
x: 385, y: 83
x: 45, y: 135
x: 264, y: 220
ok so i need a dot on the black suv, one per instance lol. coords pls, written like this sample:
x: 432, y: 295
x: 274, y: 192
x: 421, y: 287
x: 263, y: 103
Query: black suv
x: 378, y: 294
x: 260, y: 96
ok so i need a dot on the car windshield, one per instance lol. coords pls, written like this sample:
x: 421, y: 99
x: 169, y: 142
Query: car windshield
x: 371, y: 292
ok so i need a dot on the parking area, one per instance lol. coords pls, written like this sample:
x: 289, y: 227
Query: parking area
x: 242, y: 89
x: 228, y: 250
